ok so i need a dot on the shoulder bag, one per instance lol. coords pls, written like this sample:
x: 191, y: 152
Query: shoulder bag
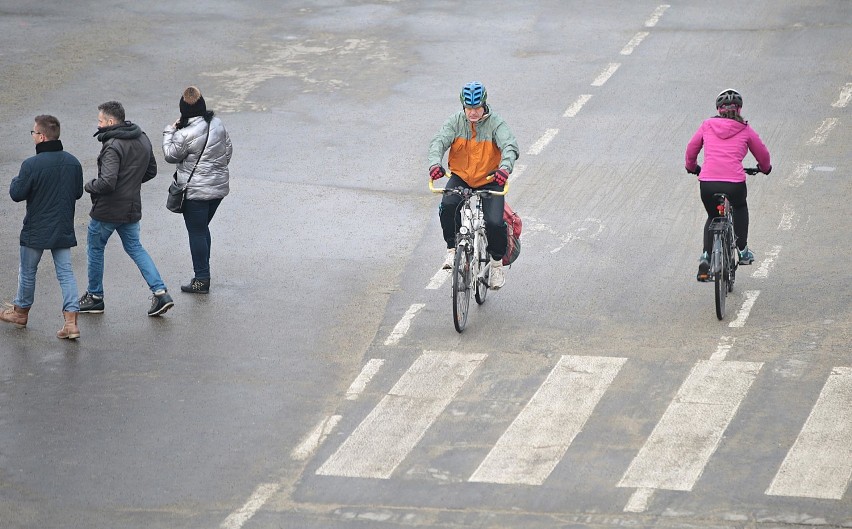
x: 177, y: 192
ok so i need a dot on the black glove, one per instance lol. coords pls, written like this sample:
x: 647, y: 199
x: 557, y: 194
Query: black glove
x: 766, y: 172
x: 695, y: 171
x: 436, y: 172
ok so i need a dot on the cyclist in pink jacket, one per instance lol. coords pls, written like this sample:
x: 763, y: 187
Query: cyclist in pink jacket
x: 726, y: 140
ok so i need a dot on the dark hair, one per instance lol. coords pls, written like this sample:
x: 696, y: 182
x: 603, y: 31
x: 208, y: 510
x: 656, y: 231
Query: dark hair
x: 49, y: 126
x: 113, y: 109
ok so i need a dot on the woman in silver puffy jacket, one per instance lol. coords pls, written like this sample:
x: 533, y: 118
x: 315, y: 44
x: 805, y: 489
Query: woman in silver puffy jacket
x: 199, y: 141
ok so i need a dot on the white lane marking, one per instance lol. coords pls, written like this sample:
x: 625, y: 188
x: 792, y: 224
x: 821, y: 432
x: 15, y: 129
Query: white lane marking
x: 822, y: 132
x: 655, y: 16
x: 364, y: 377
x: 438, y: 279
x: 787, y: 217
x: 799, y: 174
x: 517, y: 172
x: 723, y: 348
x: 395, y: 426
x: 748, y: 303
x: 819, y: 464
x: 576, y: 106
x: 675, y: 454
x: 635, y: 41
x: 639, y: 500
x: 845, y: 96
x: 315, y: 438
x: 542, y: 142
x: 606, y: 74
x: 768, y: 262
x: 535, y: 442
x: 261, y: 494
x: 403, y: 325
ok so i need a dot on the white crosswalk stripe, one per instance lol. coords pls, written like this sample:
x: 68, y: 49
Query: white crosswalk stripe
x: 532, y: 446
x: 395, y: 426
x: 675, y: 454
x: 819, y: 465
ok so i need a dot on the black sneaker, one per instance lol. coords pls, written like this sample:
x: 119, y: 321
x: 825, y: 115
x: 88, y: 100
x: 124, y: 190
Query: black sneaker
x: 197, y: 286
x: 91, y: 304
x: 160, y: 303
x: 703, y: 268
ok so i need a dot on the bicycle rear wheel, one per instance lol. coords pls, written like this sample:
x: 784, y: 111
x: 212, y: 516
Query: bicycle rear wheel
x: 461, y: 286
x: 719, y: 266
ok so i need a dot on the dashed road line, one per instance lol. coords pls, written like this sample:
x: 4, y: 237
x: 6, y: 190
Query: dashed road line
x: 822, y: 131
x: 786, y: 223
x: 604, y: 76
x: 723, y: 348
x: 635, y: 41
x: 438, y: 279
x: 403, y: 325
x: 768, y: 262
x: 845, y: 96
x: 656, y: 15
x: 748, y: 303
x: 364, y: 377
x: 315, y: 438
x: 639, y: 500
x: 542, y: 142
x: 261, y: 494
x: 800, y: 174
x: 576, y: 106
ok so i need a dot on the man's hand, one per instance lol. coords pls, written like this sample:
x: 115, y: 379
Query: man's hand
x: 500, y: 176
x: 436, y: 172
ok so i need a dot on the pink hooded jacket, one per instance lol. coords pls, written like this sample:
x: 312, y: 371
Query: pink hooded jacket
x: 726, y: 143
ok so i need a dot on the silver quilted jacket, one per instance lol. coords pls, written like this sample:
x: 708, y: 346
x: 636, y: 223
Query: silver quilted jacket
x: 182, y: 147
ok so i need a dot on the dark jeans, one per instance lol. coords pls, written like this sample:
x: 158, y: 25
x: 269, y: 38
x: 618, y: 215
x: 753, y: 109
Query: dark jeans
x: 492, y: 208
x: 197, y: 215
x: 737, y: 194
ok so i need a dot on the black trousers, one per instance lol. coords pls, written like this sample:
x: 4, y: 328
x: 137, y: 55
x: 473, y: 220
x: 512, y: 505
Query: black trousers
x: 492, y: 208
x: 737, y: 194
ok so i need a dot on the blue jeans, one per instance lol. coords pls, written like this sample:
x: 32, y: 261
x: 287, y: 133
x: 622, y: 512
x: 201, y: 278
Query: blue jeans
x: 99, y: 234
x: 30, y: 258
x: 197, y: 215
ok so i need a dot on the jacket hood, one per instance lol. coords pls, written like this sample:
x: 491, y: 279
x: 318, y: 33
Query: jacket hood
x: 125, y: 131
x: 725, y: 128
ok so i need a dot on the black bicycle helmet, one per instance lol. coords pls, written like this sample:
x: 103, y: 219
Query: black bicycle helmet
x: 729, y: 97
x: 473, y: 95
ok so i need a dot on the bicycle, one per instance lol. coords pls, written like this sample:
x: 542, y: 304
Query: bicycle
x: 472, y: 265
x: 724, y: 258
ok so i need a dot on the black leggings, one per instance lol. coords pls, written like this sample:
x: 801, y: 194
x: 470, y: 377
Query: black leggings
x: 492, y: 208
x: 737, y: 194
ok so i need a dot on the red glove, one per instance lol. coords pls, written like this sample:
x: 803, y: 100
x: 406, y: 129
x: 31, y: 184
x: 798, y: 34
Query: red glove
x: 437, y: 172
x: 500, y: 176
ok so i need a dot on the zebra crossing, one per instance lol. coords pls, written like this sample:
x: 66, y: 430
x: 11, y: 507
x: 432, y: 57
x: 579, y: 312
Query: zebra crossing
x: 673, y: 457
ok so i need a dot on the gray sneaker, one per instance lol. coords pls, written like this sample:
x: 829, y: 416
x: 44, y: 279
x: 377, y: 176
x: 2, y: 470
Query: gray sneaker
x: 91, y: 304
x: 160, y: 303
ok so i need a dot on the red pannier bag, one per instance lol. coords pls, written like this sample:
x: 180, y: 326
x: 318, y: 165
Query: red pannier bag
x: 513, y: 232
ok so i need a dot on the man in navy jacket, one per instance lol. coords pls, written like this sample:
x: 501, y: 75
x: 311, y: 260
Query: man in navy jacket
x: 50, y: 182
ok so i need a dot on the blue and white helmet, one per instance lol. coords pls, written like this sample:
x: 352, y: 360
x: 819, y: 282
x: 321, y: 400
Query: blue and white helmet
x: 473, y: 95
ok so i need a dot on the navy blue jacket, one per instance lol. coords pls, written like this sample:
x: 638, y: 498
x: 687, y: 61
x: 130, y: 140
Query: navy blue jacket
x: 51, y: 182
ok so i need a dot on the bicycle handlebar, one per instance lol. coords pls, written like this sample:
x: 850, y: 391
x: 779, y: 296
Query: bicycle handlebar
x: 434, y: 189
x: 751, y: 170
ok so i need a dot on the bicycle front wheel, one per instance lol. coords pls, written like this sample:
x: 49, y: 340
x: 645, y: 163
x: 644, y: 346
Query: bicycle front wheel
x: 481, y: 283
x: 720, y: 268
x: 461, y: 285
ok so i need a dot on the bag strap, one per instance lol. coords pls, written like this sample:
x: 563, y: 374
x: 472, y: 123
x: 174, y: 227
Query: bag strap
x: 200, y: 155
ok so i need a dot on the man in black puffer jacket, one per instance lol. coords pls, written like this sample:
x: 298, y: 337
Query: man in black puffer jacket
x: 125, y: 162
x: 51, y: 182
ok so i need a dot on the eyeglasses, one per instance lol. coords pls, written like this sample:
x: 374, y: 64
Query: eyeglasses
x: 34, y: 132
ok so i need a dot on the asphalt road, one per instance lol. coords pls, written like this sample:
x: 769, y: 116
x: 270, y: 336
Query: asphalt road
x: 321, y: 383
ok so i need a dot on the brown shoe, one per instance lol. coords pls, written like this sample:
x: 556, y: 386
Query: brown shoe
x: 16, y: 315
x: 70, y: 329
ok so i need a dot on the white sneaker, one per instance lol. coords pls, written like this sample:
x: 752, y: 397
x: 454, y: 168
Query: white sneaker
x: 497, y: 277
x: 450, y: 259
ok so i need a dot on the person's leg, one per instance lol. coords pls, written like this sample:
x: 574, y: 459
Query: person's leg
x: 67, y: 281
x: 212, y: 206
x: 449, y: 212
x: 495, y: 226
x: 96, y: 240
x: 129, y: 233
x: 196, y: 218
x: 30, y: 258
x: 738, y: 197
